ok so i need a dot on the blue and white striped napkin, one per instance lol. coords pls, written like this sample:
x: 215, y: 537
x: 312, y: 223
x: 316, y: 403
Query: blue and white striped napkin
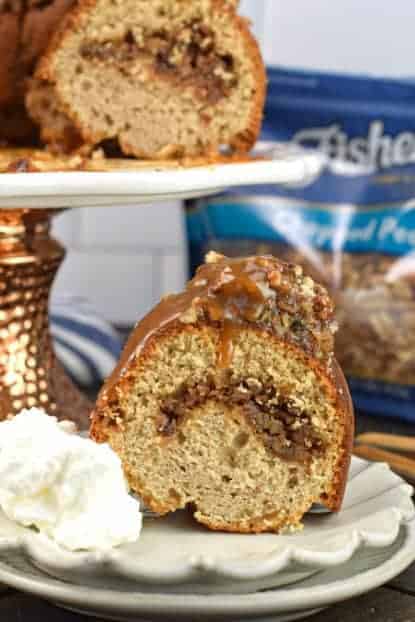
x: 87, y: 346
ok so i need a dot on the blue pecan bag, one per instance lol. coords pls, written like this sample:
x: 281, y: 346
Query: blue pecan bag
x: 352, y: 229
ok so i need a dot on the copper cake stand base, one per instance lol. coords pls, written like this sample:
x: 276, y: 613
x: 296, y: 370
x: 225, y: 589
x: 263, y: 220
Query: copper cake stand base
x: 30, y: 374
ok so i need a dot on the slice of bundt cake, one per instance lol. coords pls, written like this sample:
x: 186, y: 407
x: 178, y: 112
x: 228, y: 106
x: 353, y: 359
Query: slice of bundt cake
x: 228, y: 399
x: 163, y: 77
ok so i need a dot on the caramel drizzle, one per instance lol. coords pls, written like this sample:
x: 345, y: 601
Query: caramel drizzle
x: 229, y: 333
x: 236, y: 301
x: 227, y: 292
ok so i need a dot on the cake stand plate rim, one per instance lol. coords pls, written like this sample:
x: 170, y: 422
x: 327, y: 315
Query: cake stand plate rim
x: 281, y: 165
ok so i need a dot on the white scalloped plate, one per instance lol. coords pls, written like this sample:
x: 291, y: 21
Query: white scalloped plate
x: 283, y: 164
x: 368, y: 569
x: 176, y: 554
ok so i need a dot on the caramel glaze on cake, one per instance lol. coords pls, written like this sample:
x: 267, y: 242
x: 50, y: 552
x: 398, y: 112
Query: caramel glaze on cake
x: 247, y: 348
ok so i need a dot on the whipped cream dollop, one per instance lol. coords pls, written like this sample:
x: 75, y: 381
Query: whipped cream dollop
x: 69, y: 487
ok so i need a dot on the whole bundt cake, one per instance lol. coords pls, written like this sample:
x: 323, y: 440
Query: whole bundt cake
x: 25, y: 29
x: 161, y: 77
x: 228, y: 400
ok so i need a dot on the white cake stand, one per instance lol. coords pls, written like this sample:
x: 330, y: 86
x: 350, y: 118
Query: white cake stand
x: 29, y: 257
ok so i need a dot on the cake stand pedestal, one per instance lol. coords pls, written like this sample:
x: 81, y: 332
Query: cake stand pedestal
x: 30, y: 375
